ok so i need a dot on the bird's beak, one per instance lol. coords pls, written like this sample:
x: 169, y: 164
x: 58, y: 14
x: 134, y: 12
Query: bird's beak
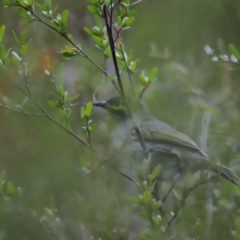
x: 100, y: 104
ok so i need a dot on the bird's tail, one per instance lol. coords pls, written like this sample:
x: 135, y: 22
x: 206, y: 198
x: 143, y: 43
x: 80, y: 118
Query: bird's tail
x: 227, y: 174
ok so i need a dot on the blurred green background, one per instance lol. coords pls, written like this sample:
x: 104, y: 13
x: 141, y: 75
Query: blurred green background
x: 45, y: 161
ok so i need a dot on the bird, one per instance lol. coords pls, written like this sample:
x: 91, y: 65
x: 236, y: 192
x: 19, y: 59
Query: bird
x: 177, y: 153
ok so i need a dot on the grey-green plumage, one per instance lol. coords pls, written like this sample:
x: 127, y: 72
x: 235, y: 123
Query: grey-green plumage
x: 176, y: 152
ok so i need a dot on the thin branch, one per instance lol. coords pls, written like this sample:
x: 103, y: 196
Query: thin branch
x: 24, y: 69
x: 112, y: 47
x: 64, y: 35
x: 114, y: 168
x: 122, y: 92
x: 45, y: 114
x: 141, y: 93
x: 48, y: 116
x: 185, y: 195
x: 128, y: 71
x: 21, y: 112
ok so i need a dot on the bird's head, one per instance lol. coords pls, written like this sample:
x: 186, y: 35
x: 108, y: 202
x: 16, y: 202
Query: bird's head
x: 115, y: 106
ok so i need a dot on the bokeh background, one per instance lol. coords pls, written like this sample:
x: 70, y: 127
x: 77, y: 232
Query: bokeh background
x: 195, y: 95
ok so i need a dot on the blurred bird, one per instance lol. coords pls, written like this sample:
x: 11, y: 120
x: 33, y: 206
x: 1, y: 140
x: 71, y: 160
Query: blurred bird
x: 174, y: 151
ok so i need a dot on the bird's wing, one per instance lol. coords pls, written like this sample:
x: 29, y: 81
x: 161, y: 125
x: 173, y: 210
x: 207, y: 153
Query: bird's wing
x: 156, y: 131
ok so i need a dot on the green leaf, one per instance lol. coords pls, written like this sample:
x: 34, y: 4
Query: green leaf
x: 119, y: 21
x: 64, y: 20
x: 108, y: 2
x: 120, y: 56
x: 8, y: 101
x: 93, y: 10
x: 39, y: 6
x: 11, y: 190
x: 147, y: 197
x: 143, y: 79
x: 112, y: 78
x: 55, y: 24
x: 82, y: 113
x: 53, y: 104
x: 122, y: 12
x: 88, y: 31
x: 152, y: 75
x: 23, y: 37
x: 62, y: 113
x: 2, y: 52
x: 99, y: 21
x: 221, y: 46
x: 133, y: 66
x: 7, y: 3
x: 99, y: 42
x: 48, y: 212
x: 88, y: 110
x: 177, y: 194
x: 136, y: 2
x: 68, y: 112
x: 96, y: 31
x: 23, y: 13
x: 108, y: 52
x: 68, y: 55
x: 127, y: 21
x: 125, y: 4
x: 73, y: 98
x: 234, y: 51
x: 132, y: 11
x: 16, y: 38
x: 83, y: 161
x: 48, y: 4
x: 155, y: 172
x: 2, y: 31
x: 86, y: 170
x: 22, y: 3
x: 8, y: 52
x: 24, y: 50
x: 24, y: 101
x: 135, y: 200
x: 62, y: 92
x: 30, y: 3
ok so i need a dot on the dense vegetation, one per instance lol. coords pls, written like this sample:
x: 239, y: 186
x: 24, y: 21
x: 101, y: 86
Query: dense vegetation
x: 61, y: 169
